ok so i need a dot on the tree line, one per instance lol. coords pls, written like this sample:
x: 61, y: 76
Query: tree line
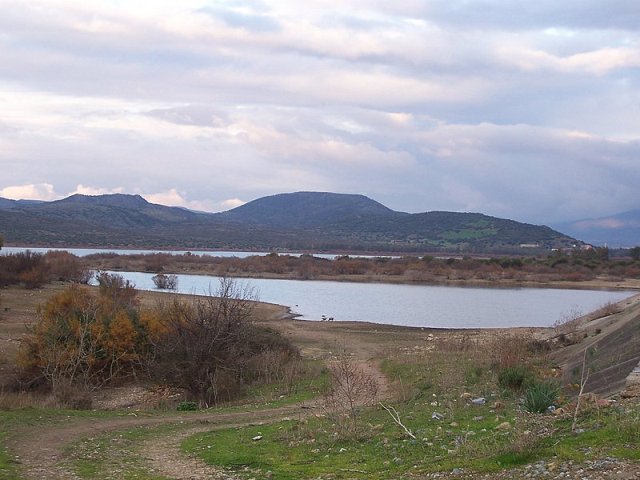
x: 576, y: 265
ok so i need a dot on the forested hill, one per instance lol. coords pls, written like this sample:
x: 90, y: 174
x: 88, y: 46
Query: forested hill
x: 317, y: 221
x: 307, y: 209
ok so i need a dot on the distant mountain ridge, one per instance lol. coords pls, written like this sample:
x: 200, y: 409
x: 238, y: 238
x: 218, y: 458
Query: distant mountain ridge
x: 619, y: 230
x: 306, y: 209
x: 315, y: 221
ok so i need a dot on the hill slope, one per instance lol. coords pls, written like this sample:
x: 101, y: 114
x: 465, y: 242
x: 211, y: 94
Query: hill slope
x: 306, y: 209
x: 612, y: 341
x: 304, y: 221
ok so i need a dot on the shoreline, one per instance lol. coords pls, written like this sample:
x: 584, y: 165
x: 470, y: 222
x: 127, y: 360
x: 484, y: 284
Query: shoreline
x: 509, y: 278
x: 596, y: 284
x: 290, y: 312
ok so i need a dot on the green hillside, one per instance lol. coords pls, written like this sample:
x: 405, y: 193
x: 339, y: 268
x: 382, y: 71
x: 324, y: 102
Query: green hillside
x: 317, y: 221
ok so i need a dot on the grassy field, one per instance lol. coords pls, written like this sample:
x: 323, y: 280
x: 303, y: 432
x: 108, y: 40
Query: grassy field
x: 483, y: 438
x: 290, y: 430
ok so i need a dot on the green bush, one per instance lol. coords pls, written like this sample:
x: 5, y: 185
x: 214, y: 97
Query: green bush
x: 514, y: 378
x: 540, y: 396
x: 187, y: 406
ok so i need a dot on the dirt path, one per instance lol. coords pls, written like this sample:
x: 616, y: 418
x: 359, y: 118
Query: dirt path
x: 166, y: 459
x: 40, y: 450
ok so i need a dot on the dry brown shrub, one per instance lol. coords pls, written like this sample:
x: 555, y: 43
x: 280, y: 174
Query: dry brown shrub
x: 464, y: 342
x: 276, y: 366
x: 351, y: 388
x: 609, y: 308
x: 15, y: 400
x: 568, y: 322
x: 509, y: 350
x: 73, y: 395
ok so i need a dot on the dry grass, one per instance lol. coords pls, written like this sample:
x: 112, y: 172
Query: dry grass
x: 20, y: 400
x: 609, y: 308
x: 509, y: 350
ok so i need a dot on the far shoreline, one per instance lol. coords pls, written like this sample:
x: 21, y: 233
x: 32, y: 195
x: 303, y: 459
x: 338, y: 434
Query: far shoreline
x: 601, y: 282
x: 597, y: 284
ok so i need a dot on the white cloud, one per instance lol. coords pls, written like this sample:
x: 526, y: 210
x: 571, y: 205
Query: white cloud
x: 40, y: 191
x: 174, y: 198
x: 597, y: 62
x: 231, y: 203
x: 83, y: 190
x: 498, y: 102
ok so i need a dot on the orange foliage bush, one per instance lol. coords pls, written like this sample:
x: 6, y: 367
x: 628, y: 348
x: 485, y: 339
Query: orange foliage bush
x: 209, y: 346
x: 81, y: 337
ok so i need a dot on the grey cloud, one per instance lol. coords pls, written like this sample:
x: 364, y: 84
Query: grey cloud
x: 421, y: 105
x: 515, y: 14
x: 548, y: 173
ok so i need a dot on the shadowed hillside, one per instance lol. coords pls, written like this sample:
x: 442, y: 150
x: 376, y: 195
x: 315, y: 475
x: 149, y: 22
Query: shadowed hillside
x: 308, y: 209
x: 317, y: 221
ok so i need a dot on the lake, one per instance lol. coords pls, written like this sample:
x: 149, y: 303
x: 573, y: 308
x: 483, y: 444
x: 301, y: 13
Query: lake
x: 409, y: 305
x: 83, y: 252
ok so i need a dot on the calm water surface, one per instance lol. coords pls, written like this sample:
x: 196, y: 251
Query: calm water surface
x: 409, y: 305
x: 83, y: 252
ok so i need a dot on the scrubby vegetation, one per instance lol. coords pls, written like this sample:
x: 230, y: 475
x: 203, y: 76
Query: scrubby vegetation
x: 458, y: 402
x: 514, y: 377
x: 457, y: 419
x: 165, y: 282
x: 208, y: 346
x: 575, y: 266
x: 33, y: 270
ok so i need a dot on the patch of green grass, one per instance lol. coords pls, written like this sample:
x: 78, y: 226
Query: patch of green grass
x: 468, y: 234
x: 19, y: 418
x: 472, y: 437
x: 287, y: 450
x: 187, y: 406
x: 515, y: 377
x: 609, y: 431
x: 474, y: 376
x: 540, y: 395
x: 512, y: 459
x: 308, y: 449
x: 7, y: 464
x: 312, y: 383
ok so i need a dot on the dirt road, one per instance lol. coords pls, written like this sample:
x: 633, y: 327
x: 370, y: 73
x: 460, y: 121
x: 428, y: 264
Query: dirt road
x: 42, y: 451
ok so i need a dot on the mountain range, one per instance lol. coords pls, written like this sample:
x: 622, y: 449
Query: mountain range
x: 618, y: 231
x: 312, y: 221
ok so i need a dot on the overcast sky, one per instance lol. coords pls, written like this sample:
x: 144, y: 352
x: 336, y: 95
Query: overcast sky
x: 523, y: 110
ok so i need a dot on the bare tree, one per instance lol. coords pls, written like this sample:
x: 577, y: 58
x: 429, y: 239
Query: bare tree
x: 584, y: 378
x: 351, y: 388
x: 207, y: 341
